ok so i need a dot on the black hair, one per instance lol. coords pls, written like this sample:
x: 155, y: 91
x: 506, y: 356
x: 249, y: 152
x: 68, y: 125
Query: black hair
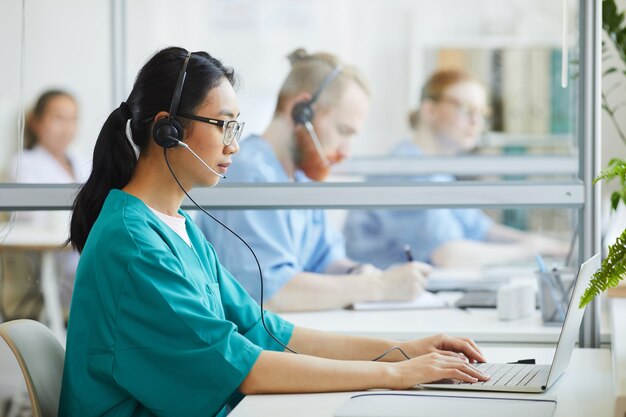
x: 114, y: 157
x: 30, y: 137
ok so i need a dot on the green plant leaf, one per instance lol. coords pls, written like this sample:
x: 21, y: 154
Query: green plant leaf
x: 611, y: 272
x: 609, y: 71
x: 617, y: 168
x: 615, y: 199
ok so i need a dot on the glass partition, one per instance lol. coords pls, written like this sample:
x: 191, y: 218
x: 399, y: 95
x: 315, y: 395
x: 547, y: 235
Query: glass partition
x: 515, y: 52
x: 523, y: 167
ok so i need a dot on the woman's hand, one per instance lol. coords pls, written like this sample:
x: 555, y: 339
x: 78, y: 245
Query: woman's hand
x: 432, y: 367
x: 459, y: 347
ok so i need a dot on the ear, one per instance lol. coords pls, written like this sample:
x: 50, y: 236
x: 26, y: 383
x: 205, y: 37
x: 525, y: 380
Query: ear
x: 160, y: 115
x: 298, y: 98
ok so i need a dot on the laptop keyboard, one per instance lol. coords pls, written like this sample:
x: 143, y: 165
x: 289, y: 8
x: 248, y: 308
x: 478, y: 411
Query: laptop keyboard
x: 511, y: 375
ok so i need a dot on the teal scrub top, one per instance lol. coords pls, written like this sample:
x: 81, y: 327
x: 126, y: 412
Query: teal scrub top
x: 157, y: 328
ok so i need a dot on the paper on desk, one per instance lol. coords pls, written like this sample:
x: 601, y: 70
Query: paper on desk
x: 424, y: 301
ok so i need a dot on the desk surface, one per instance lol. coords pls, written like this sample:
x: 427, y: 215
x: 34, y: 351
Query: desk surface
x: 482, y: 325
x: 584, y: 390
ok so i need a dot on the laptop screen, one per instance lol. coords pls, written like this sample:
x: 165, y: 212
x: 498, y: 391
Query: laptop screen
x: 573, y: 318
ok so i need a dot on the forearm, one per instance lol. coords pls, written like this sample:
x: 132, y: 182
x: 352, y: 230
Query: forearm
x: 337, y: 346
x: 340, y: 266
x: 308, y: 291
x: 278, y: 372
x: 505, y: 234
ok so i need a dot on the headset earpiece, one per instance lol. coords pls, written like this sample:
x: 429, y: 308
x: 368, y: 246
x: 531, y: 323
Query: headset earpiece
x: 167, y: 132
x: 303, y: 112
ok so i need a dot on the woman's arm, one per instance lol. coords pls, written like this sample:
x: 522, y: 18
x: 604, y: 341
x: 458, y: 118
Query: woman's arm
x: 278, y: 372
x: 336, y: 346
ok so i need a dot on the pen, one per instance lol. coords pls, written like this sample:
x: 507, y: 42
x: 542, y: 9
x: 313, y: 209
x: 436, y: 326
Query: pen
x: 540, y: 264
x: 407, y: 252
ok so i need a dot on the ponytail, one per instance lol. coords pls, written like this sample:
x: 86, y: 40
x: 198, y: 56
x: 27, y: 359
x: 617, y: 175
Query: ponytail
x: 113, y: 163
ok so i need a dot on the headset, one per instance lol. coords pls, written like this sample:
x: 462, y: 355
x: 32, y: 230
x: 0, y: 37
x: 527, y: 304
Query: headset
x: 302, y: 112
x: 168, y: 132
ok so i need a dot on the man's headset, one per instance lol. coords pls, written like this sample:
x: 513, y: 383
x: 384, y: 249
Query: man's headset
x: 303, y: 113
x: 168, y: 132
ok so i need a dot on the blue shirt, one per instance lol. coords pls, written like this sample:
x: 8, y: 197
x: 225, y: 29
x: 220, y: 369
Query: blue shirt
x: 157, y: 328
x: 379, y: 236
x: 286, y: 242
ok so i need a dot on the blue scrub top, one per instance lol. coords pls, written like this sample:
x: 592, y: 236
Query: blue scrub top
x: 379, y: 236
x: 157, y: 328
x: 286, y: 242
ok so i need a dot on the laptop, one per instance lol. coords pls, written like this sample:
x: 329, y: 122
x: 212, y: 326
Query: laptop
x: 534, y: 378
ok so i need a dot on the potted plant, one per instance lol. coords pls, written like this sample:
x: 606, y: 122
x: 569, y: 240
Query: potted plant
x: 613, y: 268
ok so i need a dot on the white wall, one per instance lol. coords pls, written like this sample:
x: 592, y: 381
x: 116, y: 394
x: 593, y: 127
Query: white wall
x: 612, y: 145
x: 67, y: 46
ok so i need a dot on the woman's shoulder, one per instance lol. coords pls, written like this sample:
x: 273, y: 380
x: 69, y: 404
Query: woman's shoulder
x: 125, y: 222
x: 32, y: 162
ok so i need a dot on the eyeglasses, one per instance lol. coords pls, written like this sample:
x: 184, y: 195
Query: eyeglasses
x: 465, y: 109
x: 232, y: 128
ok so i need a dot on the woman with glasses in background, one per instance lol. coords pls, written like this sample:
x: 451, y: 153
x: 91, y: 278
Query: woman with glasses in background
x: 449, y: 121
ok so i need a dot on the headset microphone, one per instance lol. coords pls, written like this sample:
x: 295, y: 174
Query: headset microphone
x: 184, y: 145
x: 316, y: 141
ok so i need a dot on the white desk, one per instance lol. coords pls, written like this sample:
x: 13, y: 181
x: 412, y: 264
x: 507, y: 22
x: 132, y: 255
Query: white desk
x: 482, y: 325
x: 583, y: 391
x: 26, y: 238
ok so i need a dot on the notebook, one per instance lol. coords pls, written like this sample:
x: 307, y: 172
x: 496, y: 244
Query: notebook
x: 535, y: 378
x: 424, y: 301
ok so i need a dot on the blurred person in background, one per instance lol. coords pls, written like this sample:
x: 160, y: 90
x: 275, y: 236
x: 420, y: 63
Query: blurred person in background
x: 50, y: 129
x: 449, y: 121
x: 321, y: 106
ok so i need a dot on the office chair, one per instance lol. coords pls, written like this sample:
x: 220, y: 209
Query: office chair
x: 41, y: 358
